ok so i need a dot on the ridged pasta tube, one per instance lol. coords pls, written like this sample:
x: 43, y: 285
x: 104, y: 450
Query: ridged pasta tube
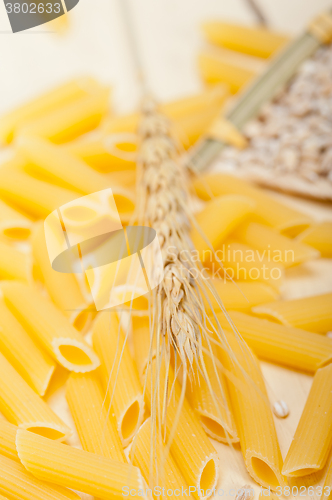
x: 34, y: 365
x: 83, y: 471
x: 306, y: 456
x: 118, y: 374
x: 23, y: 407
x: 96, y: 428
x: 49, y: 327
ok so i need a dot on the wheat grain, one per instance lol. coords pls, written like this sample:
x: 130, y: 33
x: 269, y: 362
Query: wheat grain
x: 280, y: 409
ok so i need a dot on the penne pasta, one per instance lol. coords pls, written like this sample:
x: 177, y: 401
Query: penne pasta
x: 253, y: 415
x: 306, y: 456
x: 256, y: 41
x: 49, y: 327
x: 96, y: 428
x: 23, y: 407
x: 196, y: 458
x: 57, y: 165
x: 241, y: 296
x: 190, y: 129
x: 19, y: 484
x: 273, y: 245
x: 298, y: 349
x: 224, y: 66
x: 36, y: 197
x: 211, y: 400
x: 212, y: 98
x: 8, y: 440
x: 13, y: 263
x: 142, y: 341
x: 70, y: 121
x: 165, y: 475
x: 119, y: 375
x: 318, y: 236
x: 34, y: 365
x: 216, y: 221
x: 107, y: 153
x: 241, y: 262
x: 62, y: 95
x: 268, y: 210
x: 14, y: 226
x: 63, y: 288
x: 312, y: 313
x: 83, y: 471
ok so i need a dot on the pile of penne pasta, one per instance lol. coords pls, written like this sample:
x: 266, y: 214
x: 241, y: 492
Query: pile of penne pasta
x: 65, y: 145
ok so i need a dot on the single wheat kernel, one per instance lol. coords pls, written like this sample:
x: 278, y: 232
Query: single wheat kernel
x: 280, y: 409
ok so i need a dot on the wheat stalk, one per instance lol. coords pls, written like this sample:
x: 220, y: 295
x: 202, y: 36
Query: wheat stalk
x: 180, y: 321
x: 163, y: 198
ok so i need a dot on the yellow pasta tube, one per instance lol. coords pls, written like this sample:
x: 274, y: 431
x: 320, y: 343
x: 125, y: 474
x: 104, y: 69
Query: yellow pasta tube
x: 211, y: 400
x: 74, y: 119
x: 63, y: 288
x: 255, y: 41
x: 119, y: 375
x: 83, y: 471
x: 306, y: 456
x: 108, y: 153
x: 11, y: 122
x: 217, y: 220
x: 33, y: 364
x: 283, y: 345
x: 57, y: 165
x: 319, y: 236
x: 19, y: 484
x: 7, y: 440
x: 96, y: 429
x: 274, y: 246
x: 165, y: 472
x: 241, y: 262
x: 142, y: 342
x: 188, y: 128
x: 23, y: 407
x: 49, y: 327
x: 312, y: 313
x: 232, y: 69
x: 211, y: 98
x: 253, y: 415
x: 241, y: 296
x: 36, y: 197
x: 191, y: 448
x: 14, y: 226
x: 268, y: 210
x: 13, y: 263
x: 191, y: 128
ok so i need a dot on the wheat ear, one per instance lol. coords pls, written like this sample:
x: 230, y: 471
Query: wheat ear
x: 180, y: 321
